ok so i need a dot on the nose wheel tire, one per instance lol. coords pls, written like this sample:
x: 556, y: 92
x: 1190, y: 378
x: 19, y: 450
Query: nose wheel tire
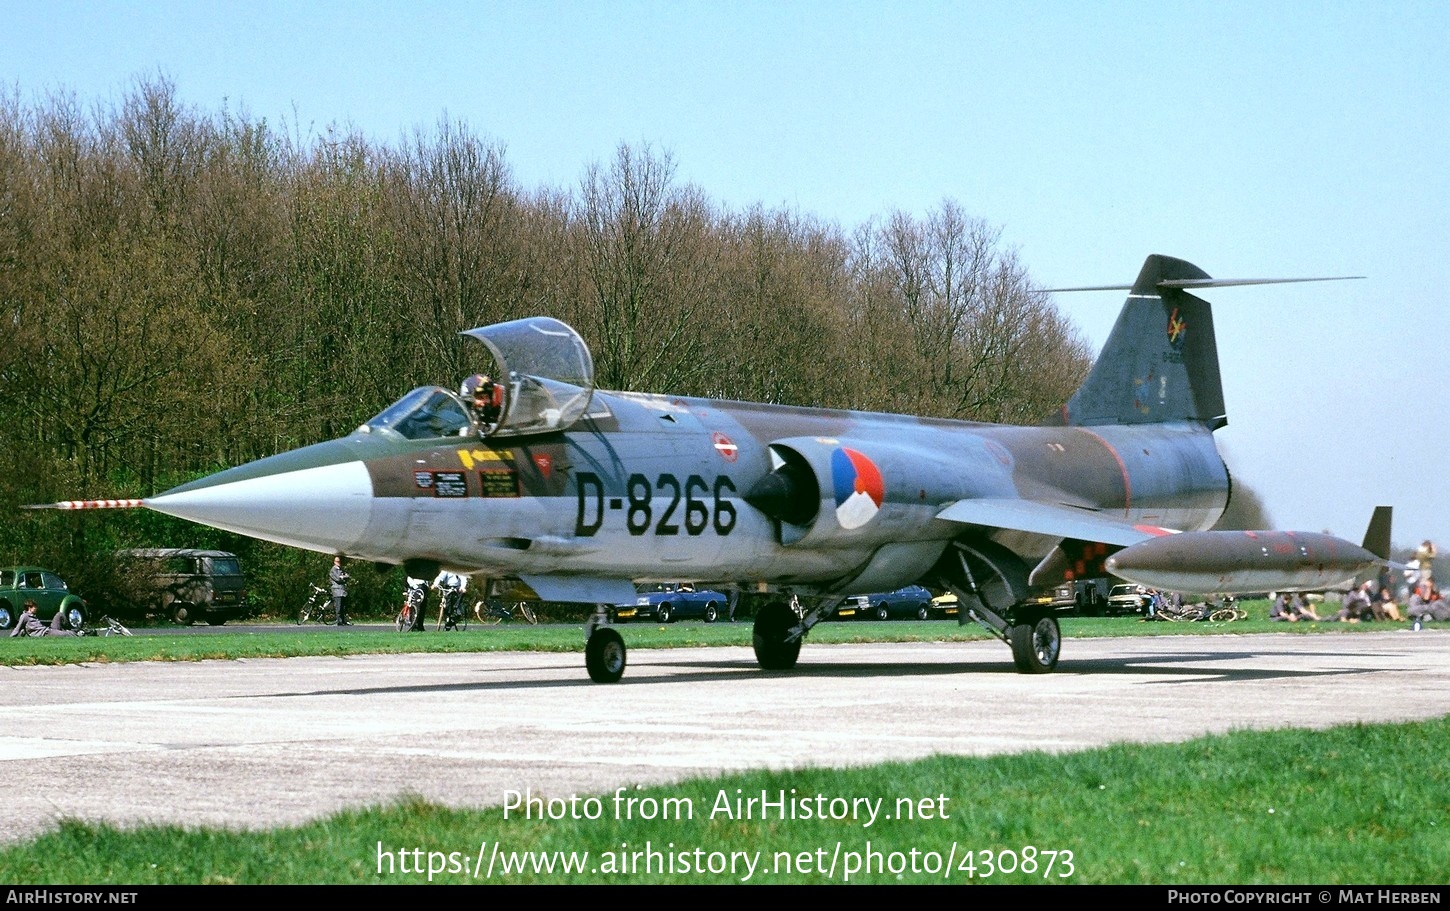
x: 772, y: 624
x: 1036, y: 644
x: 604, y: 656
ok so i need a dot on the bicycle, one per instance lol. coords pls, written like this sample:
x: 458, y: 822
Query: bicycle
x: 451, y: 614
x: 1164, y: 609
x: 318, y: 608
x: 494, y: 612
x: 410, y: 618
x: 114, y: 627
x: 1227, y: 611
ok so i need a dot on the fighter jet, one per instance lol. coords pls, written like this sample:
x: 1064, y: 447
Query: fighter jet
x: 582, y: 493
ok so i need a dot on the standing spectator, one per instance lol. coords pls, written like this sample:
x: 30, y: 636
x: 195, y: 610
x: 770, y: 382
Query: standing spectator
x: 451, y: 588
x: 1426, y: 558
x: 339, y: 578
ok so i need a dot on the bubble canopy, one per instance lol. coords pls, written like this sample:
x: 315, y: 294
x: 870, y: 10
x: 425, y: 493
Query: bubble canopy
x: 547, y: 375
x: 547, y: 371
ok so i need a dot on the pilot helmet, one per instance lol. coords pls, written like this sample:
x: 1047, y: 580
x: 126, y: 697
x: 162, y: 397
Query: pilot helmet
x: 471, y: 385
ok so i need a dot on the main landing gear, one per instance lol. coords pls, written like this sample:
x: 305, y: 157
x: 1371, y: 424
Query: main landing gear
x: 1032, y: 634
x: 605, y: 656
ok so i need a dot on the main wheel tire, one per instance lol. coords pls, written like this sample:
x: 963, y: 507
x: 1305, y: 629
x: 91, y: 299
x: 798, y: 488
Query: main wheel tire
x: 303, y: 615
x: 922, y: 613
x: 712, y: 612
x: 605, y: 656
x: 402, y: 622
x: 7, y: 619
x: 772, y: 624
x: 1036, y: 644
x: 181, y: 613
x: 75, y: 618
x: 665, y: 613
x: 882, y: 612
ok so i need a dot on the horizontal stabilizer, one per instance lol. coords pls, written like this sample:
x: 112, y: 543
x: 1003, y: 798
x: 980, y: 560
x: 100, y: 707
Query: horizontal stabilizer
x: 1212, y: 283
x: 1049, y: 519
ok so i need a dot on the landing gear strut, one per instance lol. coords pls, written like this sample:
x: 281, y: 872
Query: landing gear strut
x: 991, y: 586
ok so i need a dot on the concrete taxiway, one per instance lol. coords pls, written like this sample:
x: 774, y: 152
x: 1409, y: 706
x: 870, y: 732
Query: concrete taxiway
x: 261, y: 743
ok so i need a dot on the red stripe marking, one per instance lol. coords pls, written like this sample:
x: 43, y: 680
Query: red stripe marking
x: 1127, y: 483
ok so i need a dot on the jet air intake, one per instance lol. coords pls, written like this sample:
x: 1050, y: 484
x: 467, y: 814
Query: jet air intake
x: 828, y: 492
x: 790, y: 492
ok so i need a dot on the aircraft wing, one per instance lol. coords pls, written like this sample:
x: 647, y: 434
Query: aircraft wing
x: 1050, y: 519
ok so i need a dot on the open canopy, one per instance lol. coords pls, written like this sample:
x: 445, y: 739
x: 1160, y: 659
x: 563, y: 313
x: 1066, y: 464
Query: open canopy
x: 547, y: 371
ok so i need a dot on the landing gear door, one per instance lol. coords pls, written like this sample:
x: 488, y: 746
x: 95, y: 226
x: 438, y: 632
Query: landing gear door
x: 547, y: 372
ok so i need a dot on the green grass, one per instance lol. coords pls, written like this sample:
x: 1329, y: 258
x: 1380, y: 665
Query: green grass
x: 1364, y: 804
x: 287, y: 641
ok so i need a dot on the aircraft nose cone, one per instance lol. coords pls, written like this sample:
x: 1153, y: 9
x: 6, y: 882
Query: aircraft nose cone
x: 322, y: 507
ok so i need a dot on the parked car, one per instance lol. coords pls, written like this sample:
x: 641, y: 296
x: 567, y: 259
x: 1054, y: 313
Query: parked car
x: 946, y: 605
x: 667, y: 603
x: 913, y: 602
x: 19, y: 584
x: 1059, y: 597
x: 187, y: 585
x: 1129, y: 598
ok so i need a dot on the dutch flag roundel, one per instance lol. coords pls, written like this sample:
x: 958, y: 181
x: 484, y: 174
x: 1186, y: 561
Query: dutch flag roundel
x: 858, y: 487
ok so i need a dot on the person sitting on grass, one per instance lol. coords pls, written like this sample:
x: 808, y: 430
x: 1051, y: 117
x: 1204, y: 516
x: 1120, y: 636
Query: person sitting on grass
x: 1291, y: 607
x: 1427, y: 604
x: 29, y: 625
x: 1383, y: 605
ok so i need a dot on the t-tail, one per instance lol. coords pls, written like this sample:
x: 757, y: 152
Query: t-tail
x: 1160, y: 364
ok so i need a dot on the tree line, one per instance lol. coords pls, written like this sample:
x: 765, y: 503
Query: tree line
x: 183, y: 291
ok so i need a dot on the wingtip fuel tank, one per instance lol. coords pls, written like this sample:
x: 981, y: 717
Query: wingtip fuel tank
x: 1241, y: 562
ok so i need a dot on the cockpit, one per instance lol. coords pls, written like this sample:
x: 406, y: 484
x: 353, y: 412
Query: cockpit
x: 547, y: 379
x: 426, y: 413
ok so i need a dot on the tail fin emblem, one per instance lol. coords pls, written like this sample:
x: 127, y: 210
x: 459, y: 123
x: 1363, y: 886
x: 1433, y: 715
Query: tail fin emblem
x: 1177, y: 327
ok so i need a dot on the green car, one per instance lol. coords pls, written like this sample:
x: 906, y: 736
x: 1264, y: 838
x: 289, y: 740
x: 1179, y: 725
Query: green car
x: 19, y: 584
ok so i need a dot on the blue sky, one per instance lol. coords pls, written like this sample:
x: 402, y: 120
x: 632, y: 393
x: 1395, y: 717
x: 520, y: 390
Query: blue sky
x: 1253, y: 139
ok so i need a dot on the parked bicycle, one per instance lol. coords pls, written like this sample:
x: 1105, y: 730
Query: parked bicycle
x: 112, y: 627
x: 493, y: 612
x: 1164, y: 608
x: 318, y: 608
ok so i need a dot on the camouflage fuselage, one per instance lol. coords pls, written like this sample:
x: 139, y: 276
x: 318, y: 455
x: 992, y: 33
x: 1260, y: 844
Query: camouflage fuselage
x: 653, y: 488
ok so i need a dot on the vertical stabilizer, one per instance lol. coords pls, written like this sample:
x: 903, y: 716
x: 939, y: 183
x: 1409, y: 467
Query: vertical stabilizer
x: 1160, y: 364
x: 1377, y: 535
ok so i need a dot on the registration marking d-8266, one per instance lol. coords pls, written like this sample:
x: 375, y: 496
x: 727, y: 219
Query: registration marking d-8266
x: 693, y: 505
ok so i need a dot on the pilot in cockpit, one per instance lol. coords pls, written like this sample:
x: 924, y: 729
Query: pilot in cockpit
x: 484, y: 398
